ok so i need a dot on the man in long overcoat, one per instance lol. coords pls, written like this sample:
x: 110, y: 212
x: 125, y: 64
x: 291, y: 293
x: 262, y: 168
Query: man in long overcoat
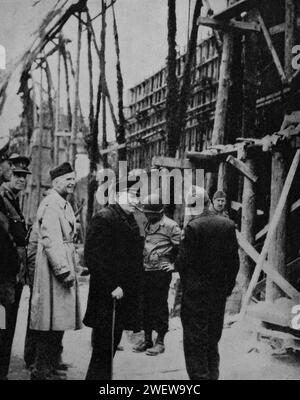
x: 55, y: 305
x: 208, y: 263
x: 114, y: 255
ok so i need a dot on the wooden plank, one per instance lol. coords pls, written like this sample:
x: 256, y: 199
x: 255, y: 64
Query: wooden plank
x: 295, y: 206
x: 268, y: 269
x: 272, y: 48
x: 236, y: 9
x: 217, y: 24
x: 262, y: 233
x: 273, y: 225
x: 280, y: 28
x: 169, y: 162
x: 242, y: 167
x: 114, y: 148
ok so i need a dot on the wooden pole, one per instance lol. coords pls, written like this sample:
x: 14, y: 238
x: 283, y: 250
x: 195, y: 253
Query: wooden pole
x: 103, y: 81
x: 66, y: 69
x: 50, y: 103
x: 248, y: 130
x: 272, y: 230
x: 218, y: 134
x: 40, y: 139
x: 75, y: 119
x: 57, y: 107
x: 172, y: 85
x: 120, y: 87
x: 277, y: 252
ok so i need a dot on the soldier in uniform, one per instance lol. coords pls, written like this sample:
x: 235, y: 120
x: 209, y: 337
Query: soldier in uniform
x: 218, y: 205
x: 161, y: 246
x: 13, y: 256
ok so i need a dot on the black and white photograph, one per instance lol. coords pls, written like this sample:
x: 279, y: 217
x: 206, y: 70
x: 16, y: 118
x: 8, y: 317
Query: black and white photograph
x: 149, y: 192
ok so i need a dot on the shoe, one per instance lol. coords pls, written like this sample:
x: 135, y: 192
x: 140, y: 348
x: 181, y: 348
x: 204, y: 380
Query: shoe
x: 58, y: 372
x: 158, y: 348
x: 48, y: 377
x: 143, y: 346
x: 63, y: 366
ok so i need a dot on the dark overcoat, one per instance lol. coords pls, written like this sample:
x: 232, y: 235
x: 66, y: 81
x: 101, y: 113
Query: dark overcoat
x: 113, y: 254
x: 208, y: 261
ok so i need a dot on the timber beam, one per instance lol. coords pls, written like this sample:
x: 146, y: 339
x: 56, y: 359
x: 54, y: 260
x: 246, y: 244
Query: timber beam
x: 275, y: 276
x: 169, y: 162
x: 236, y: 9
x: 242, y: 167
x: 217, y: 24
x: 272, y: 48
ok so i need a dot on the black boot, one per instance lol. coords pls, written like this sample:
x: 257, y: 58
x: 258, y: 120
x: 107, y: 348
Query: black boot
x: 159, y: 346
x: 146, y: 344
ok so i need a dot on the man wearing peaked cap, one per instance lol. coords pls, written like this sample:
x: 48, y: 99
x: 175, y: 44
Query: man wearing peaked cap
x: 55, y: 304
x: 5, y: 165
x: 13, y: 255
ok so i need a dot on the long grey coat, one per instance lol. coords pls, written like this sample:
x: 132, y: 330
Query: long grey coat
x: 54, y: 307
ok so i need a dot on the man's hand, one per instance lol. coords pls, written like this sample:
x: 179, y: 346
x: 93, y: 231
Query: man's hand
x: 117, y: 293
x: 168, y: 267
x: 68, y: 281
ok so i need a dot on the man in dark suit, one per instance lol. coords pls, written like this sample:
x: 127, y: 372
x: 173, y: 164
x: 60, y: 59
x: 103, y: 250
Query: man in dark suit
x: 208, y: 263
x: 114, y: 255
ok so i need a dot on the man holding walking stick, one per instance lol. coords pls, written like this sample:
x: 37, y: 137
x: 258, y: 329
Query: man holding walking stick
x: 113, y: 254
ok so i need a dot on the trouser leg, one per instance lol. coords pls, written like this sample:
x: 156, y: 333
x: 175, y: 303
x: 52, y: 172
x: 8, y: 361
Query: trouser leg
x: 100, y: 366
x: 216, y: 321
x: 156, y: 311
x: 30, y: 339
x: 57, y: 347
x: 7, y: 335
x: 43, y: 357
x: 196, y: 341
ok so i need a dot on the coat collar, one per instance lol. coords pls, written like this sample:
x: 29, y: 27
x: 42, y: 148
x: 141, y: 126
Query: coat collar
x: 9, y: 193
x: 60, y: 200
x: 156, y: 226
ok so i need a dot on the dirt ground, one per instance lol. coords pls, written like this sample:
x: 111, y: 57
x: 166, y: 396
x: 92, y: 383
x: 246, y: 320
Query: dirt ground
x: 242, y: 357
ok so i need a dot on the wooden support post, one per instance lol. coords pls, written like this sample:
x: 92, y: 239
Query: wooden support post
x: 221, y: 112
x: 75, y: 120
x: 277, y: 251
x: 248, y: 129
x: 57, y: 104
x: 273, y: 226
x: 40, y: 139
x: 103, y: 82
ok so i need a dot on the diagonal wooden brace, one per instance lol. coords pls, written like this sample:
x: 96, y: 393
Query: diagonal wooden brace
x: 273, y: 225
x: 268, y: 269
x: 242, y: 167
x: 272, y: 48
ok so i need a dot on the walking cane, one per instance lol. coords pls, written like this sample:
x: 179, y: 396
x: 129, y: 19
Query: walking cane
x: 113, y: 338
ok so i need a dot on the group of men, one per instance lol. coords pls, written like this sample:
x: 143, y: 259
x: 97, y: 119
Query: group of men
x: 127, y: 269
x: 206, y: 258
